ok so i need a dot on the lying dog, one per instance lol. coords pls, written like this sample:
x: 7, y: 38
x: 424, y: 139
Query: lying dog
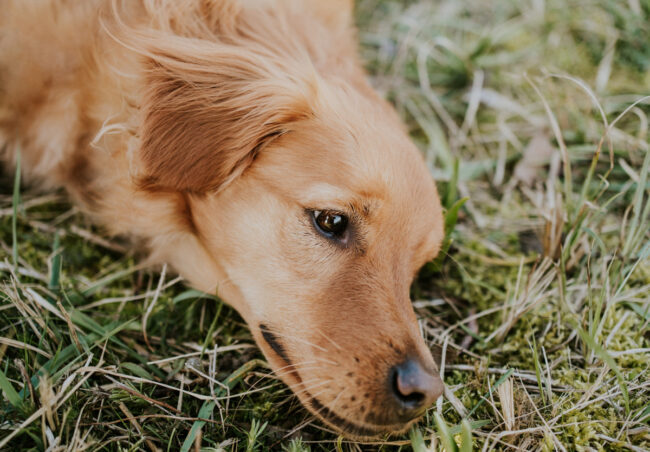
x: 241, y: 143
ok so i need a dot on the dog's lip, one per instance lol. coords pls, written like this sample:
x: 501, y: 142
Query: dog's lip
x: 347, y: 427
x: 351, y: 428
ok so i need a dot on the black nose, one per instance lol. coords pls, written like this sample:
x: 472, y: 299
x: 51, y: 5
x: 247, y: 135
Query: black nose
x: 414, y: 387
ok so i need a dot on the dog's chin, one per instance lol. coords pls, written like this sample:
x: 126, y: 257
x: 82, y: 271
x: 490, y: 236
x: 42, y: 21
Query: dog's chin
x: 353, y: 429
x: 350, y: 428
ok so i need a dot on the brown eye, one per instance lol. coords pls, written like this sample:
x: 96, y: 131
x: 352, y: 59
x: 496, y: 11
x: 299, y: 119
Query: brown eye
x: 330, y: 223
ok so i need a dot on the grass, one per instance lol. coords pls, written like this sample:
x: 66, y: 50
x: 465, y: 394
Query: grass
x: 532, y: 110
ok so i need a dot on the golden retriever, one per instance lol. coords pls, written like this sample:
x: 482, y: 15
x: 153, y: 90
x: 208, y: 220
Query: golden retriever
x: 240, y: 142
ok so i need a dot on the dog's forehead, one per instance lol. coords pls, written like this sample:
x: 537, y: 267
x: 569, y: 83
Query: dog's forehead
x: 371, y: 158
x: 389, y: 175
x: 354, y: 153
x: 337, y: 166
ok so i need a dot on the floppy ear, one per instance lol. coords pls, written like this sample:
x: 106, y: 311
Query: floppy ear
x: 208, y: 109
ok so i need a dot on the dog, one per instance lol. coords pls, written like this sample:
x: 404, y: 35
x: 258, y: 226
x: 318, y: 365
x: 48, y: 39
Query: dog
x: 241, y: 143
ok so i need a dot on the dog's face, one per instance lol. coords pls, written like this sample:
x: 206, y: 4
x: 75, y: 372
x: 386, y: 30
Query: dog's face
x: 318, y: 211
x: 322, y: 237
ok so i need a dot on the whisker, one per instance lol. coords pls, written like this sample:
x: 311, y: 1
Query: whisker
x: 336, y: 399
x: 310, y: 388
x: 298, y: 339
x: 293, y: 371
x: 307, y: 387
x: 305, y: 383
x: 324, y: 407
x: 315, y: 397
x: 329, y: 339
x: 295, y: 365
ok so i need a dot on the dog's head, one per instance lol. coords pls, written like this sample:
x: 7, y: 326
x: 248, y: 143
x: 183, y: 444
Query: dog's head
x: 317, y: 210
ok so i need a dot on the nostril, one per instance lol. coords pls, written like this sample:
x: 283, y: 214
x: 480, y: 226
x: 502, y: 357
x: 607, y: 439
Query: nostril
x: 406, y: 394
x: 413, y: 386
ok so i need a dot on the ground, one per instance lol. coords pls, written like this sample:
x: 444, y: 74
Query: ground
x: 532, y: 117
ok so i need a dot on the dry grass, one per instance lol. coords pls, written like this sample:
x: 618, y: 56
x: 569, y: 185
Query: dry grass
x: 535, y: 111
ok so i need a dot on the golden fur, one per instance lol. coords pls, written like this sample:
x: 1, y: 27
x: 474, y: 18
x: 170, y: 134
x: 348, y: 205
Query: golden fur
x: 205, y: 130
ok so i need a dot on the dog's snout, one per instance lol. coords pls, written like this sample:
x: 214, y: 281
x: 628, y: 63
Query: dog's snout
x: 414, y: 387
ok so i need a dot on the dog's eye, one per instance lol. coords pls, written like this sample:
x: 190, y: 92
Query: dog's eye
x: 330, y: 223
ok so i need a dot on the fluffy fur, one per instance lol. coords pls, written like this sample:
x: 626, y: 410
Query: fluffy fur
x: 207, y: 130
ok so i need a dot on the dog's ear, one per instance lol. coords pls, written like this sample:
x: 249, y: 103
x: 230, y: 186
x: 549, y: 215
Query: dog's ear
x: 207, y: 111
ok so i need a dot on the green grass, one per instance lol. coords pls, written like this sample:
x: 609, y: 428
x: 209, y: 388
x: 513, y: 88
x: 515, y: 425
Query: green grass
x: 541, y: 307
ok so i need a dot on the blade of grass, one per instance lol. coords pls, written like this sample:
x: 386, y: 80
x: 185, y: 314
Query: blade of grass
x: 191, y: 294
x: 14, y: 219
x: 607, y: 359
x: 472, y: 333
x: 137, y: 370
x: 417, y: 441
x: 452, y: 186
x: 458, y: 428
x: 538, y: 370
x: 498, y: 383
x: 446, y: 438
x: 466, y: 444
x: 631, y: 236
x: 208, y: 405
x: 99, y: 285
x: 643, y: 313
x: 451, y: 217
x: 10, y: 392
x: 109, y: 333
x: 208, y: 337
x: 204, y: 413
x: 255, y: 431
x: 557, y: 131
x: 55, y: 276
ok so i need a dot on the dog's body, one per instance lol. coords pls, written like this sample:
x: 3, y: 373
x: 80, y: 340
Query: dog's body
x: 233, y: 139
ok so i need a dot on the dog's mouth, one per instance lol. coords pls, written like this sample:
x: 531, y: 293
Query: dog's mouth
x: 352, y: 429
